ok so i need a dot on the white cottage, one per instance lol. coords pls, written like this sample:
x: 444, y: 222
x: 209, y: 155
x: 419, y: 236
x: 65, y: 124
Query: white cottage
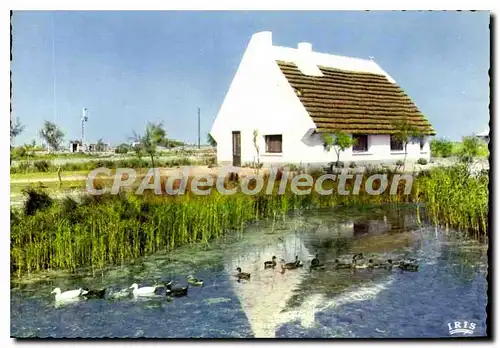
x: 290, y: 96
x: 484, y: 135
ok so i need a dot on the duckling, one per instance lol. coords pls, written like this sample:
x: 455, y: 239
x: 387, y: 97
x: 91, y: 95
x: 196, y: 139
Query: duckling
x: 342, y: 265
x: 94, y: 294
x: 270, y: 264
x: 176, y: 291
x: 297, y: 262
x: 315, y: 263
x: 194, y: 281
x: 291, y: 265
x: 374, y: 264
x: 389, y: 264
x: 357, y: 257
x: 408, y: 265
x: 118, y: 294
x: 410, y: 260
x: 242, y: 275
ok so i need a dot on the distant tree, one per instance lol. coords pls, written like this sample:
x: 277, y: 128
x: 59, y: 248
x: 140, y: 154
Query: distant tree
x: 16, y: 128
x: 441, y: 148
x: 210, y: 140
x: 136, y: 145
x: 153, y: 136
x: 100, y: 146
x: 171, y: 143
x: 470, y: 148
x: 52, y: 135
x: 19, y: 152
x: 405, y: 132
x: 122, y: 148
x: 340, y: 142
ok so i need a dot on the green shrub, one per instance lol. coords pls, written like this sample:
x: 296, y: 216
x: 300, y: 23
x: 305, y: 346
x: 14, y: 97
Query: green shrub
x: 292, y: 167
x: 104, y: 163
x: 441, y: 148
x: 18, y: 152
x: 352, y: 165
x: 399, y: 163
x: 37, y: 199
x: 42, y: 165
x: 470, y: 148
x: 122, y: 148
x: 24, y: 166
x: 422, y: 161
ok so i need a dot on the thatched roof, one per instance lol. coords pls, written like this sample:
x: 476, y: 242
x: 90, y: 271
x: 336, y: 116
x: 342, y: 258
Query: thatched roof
x: 354, y: 102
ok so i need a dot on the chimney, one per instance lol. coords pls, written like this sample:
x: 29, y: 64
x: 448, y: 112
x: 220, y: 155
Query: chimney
x: 305, y: 47
x: 263, y: 38
x: 305, y: 60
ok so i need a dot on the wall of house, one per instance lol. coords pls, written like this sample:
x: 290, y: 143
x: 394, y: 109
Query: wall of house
x: 260, y: 98
x: 311, y: 150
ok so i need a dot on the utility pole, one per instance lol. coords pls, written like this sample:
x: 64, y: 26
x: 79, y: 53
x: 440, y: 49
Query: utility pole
x: 84, y: 119
x: 198, y: 127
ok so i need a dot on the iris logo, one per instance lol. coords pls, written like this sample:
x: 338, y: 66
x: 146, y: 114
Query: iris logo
x: 461, y: 327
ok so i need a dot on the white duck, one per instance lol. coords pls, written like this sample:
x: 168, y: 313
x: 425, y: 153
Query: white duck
x: 68, y: 295
x: 144, y: 291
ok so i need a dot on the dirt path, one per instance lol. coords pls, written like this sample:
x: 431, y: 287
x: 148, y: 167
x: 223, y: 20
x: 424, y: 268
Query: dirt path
x: 46, y: 179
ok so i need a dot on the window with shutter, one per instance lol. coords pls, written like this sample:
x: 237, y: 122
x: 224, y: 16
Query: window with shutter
x: 274, y: 143
x: 360, y: 143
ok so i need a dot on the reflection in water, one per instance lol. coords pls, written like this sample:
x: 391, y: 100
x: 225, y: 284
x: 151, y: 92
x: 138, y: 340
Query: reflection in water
x: 265, y: 296
x: 66, y: 302
x: 272, y: 299
x: 326, y: 302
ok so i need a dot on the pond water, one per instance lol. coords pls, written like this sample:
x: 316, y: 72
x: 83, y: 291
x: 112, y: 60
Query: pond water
x: 450, y: 285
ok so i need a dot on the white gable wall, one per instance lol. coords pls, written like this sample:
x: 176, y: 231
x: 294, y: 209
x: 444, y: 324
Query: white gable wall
x: 261, y: 98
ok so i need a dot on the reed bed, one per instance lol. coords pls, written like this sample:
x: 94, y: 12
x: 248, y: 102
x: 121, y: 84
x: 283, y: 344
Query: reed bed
x: 454, y: 198
x: 99, y: 231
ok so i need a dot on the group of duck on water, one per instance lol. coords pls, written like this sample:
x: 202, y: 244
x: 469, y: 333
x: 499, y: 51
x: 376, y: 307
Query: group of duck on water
x: 357, y: 262
x: 178, y: 290
x: 172, y: 290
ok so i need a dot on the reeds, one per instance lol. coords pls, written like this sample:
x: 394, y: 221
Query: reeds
x: 107, y: 230
x: 455, y: 198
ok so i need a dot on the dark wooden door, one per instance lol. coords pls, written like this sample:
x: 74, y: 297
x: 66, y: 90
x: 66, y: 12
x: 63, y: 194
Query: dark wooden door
x: 237, y: 148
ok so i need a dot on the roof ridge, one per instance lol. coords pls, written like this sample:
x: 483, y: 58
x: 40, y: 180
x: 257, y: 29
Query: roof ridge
x: 335, y: 69
x: 328, y: 54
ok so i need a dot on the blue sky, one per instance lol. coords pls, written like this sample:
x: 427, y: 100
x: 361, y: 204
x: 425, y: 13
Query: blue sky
x: 129, y: 68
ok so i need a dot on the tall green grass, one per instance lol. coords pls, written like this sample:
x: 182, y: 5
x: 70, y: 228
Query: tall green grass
x: 112, y: 229
x: 455, y: 198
